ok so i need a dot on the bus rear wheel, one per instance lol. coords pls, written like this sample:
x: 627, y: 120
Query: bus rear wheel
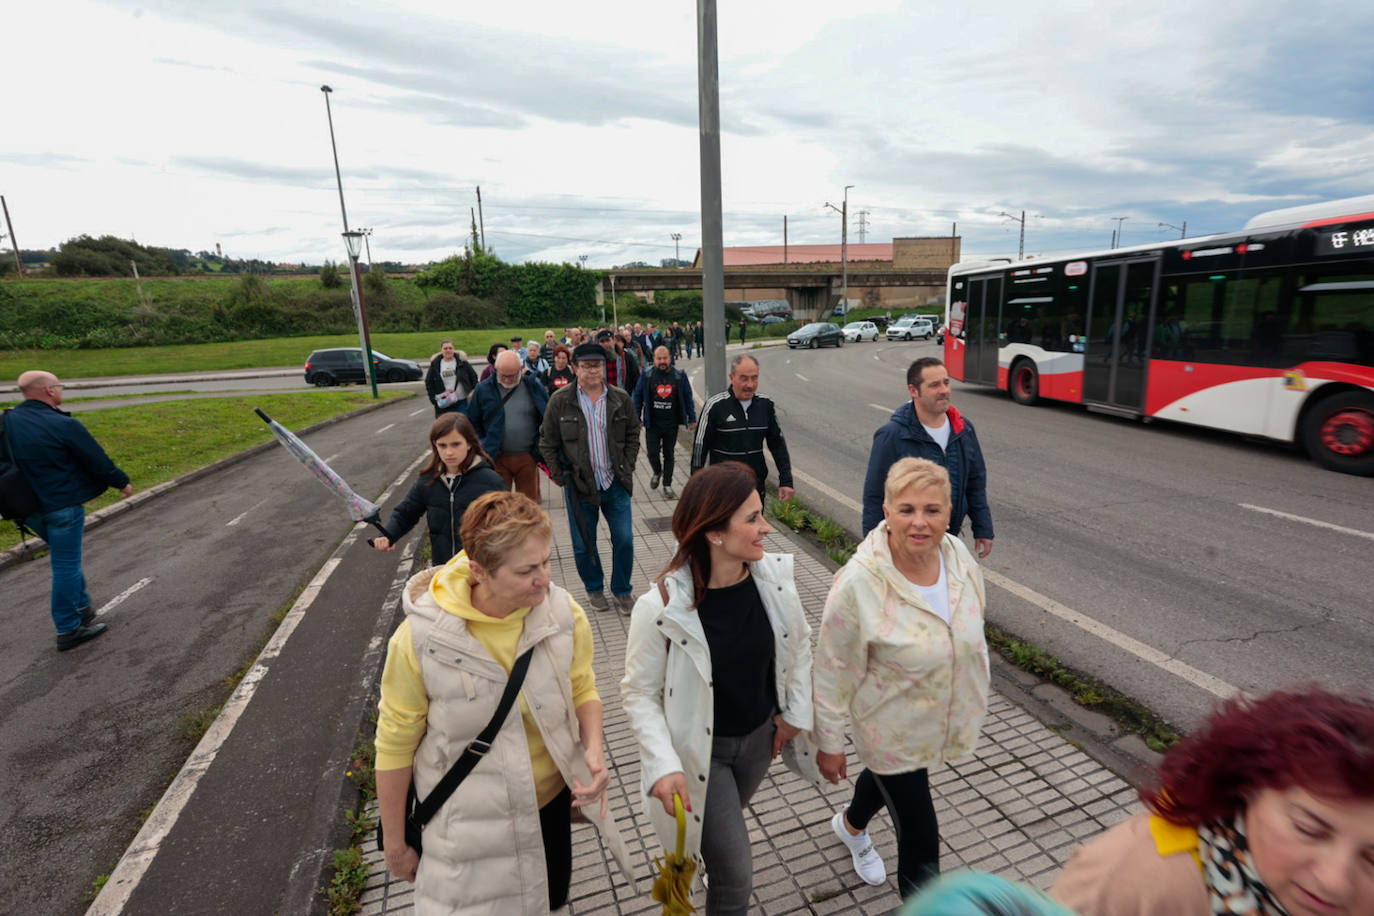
x: 1025, y: 382
x: 1339, y: 433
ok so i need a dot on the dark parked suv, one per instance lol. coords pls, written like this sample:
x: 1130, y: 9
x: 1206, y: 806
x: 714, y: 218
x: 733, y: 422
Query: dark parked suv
x: 345, y: 364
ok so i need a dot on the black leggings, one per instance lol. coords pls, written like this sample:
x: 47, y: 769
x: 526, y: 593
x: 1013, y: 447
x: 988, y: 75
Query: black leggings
x: 555, y: 822
x: 907, y: 797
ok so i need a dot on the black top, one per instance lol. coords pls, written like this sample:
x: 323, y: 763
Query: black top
x: 741, y: 643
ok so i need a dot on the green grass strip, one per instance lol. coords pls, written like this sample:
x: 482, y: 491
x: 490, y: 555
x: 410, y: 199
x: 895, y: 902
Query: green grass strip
x: 153, y: 443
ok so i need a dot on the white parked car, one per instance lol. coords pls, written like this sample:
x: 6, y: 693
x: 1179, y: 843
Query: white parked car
x: 859, y: 331
x: 909, y: 328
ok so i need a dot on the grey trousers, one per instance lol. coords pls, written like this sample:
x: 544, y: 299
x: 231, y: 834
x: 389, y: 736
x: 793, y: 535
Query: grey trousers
x: 738, y: 765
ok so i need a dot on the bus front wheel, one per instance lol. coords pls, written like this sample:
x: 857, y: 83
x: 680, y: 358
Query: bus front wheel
x: 1339, y: 433
x: 1025, y: 382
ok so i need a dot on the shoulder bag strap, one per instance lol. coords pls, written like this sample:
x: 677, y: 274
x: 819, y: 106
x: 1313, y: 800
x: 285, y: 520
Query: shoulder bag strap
x: 479, y: 746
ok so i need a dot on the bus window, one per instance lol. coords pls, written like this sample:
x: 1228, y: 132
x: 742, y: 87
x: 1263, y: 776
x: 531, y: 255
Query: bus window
x: 1333, y: 318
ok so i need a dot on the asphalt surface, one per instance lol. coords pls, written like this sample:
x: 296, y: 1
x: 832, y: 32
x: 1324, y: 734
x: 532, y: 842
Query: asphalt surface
x: 92, y: 737
x: 1140, y: 527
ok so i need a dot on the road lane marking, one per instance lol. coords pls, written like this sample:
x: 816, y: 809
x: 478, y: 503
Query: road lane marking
x: 383, y: 429
x: 416, y: 413
x: 240, y: 517
x: 802, y: 377
x: 332, y: 457
x: 123, y: 596
x: 134, y: 863
x: 1140, y: 650
x: 881, y: 407
x: 828, y: 490
x: 1309, y: 521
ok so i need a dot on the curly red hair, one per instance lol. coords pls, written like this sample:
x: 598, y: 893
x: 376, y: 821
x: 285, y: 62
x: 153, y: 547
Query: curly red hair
x: 1308, y: 737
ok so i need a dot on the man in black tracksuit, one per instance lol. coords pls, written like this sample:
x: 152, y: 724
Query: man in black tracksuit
x: 663, y: 402
x: 735, y: 424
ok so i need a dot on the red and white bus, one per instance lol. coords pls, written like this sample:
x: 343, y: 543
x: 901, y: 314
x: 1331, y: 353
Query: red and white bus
x: 1268, y: 331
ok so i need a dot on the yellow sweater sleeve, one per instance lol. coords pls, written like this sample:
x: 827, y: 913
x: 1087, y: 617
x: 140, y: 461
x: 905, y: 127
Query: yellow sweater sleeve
x: 403, y: 706
x: 582, y: 674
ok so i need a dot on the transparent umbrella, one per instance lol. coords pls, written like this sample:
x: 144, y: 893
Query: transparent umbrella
x: 359, y: 509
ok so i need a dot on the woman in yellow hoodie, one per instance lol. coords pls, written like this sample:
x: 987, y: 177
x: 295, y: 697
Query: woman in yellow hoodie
x: 501, y: 843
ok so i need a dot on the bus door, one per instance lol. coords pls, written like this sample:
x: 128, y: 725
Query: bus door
x: 981, y: 321
x: 1120, y: 316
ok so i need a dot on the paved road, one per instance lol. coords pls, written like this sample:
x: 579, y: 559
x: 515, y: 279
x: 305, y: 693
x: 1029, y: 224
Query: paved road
x: 90, y: 738
x: 1143, y: 528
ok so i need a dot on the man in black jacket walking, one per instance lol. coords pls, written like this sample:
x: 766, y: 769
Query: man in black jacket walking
x: 66, y: 468
x: 663, y: 402
x: 735, y: 424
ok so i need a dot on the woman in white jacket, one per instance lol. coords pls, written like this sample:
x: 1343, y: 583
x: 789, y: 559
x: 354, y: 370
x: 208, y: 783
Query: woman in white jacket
x: 902, y: 656
x: 717, y: 675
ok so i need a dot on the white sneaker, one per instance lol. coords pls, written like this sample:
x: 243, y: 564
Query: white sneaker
x: 867, y: 863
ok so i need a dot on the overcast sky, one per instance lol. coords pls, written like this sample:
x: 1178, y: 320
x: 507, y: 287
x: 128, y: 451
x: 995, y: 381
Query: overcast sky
x: 185, y: 124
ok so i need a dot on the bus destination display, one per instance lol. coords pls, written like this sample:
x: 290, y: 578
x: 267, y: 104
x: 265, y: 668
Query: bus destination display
x: 1346, y: 241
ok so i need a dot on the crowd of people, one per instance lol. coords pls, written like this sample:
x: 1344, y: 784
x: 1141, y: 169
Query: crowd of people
x: 1266, y: 810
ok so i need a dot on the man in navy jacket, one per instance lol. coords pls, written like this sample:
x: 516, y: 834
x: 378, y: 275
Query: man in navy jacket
x: 663, y: 402
x: 66, y: 468
x: 930, y: 427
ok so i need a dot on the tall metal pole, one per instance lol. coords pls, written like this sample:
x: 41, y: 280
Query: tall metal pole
x: 18, y: 261
x: 359, y: 309
x: 481, y: 223
x: 677, y: 248
x: 844, y: 248
x: 1021, y: 245
x: 712, y: 232
x: 615, y: 312
x: 784, y: 238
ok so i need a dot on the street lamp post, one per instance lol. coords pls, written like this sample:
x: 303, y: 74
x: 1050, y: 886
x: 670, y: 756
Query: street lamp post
x: 844, y: 245
x: 351, y: 239
x: 1021, y: 245
x: 1116, y: 236
x: 367, y: 242
x: 354, y: 241
x: 677, y: 249
x: 1182, y: 230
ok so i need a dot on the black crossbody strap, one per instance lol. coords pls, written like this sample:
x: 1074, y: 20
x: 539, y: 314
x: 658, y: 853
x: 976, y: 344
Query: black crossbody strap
x: 480, y: 745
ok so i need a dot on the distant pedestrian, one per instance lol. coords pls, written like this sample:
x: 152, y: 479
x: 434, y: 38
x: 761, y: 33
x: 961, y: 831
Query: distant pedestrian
x: 735, y: 425
x: 66, y: 468
x: 492, y: 352
x: 506, y: 411
x: 450, y: 380
x: 501, y: 841
x: 622, y: 366
x: 902, y: 664
x: 560, y: 375
x: 689, y: 339
x: 663, y: 402
x: 743, y: 326
x: 546, y: 351
x: 458, y: 471
x: 673, y: 342
x: 590, y: 441
x: 717, y: 677
x: 534, y: 363
x: 929, y: 426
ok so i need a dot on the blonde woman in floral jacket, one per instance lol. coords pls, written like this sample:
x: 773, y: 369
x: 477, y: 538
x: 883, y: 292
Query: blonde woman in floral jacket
x: 902, y: 656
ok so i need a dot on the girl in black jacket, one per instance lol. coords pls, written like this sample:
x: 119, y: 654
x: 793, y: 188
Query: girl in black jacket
x: 458, y: 471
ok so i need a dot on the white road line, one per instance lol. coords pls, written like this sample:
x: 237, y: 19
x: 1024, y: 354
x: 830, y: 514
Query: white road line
x: 802, y: 377
x: 828, y: 490
x: 145, y: 846
x: 1139, y: 649
x: 1309, y: 521
x: 123, y: 596
x: 883, y: 408
x: 332, y: 457
x: 382, y: 430
x: 416, y: 413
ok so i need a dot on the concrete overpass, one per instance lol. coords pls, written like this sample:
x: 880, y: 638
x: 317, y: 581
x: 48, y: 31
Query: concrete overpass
x: 810, y: 289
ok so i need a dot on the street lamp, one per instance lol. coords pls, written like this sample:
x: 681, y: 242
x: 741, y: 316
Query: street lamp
x: 354, y: 248
x: 354, y: 241
x: 677, y: 250
x: 367, y: 241
x: 1116, y: 236
x: 844, y: 245
x: 1182, y: 230
x: 1020, y: 246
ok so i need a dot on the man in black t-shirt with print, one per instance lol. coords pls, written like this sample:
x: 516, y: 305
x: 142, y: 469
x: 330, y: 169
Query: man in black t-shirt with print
x: 663, y: 401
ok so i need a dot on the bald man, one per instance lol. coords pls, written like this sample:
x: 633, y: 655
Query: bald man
x: 506, y: 410
x: 66, y: 468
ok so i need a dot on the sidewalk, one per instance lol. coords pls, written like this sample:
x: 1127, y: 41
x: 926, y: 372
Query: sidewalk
x: 1019, y: 807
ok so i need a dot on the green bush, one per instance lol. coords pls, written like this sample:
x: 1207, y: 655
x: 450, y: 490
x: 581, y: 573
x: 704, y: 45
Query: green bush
x: 445, y: 310
x: 330, y: 278
x: 780, y: 328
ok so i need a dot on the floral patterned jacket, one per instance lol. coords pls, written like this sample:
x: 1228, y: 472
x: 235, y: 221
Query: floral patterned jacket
x: 914, y: 687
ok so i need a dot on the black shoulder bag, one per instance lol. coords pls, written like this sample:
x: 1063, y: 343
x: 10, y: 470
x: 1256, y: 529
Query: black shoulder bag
x: 17, y: 499
x: 418, y: 813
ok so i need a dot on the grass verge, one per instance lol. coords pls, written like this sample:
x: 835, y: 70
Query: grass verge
x: 153, y: 443
x: 250, y: 354
x: 350, y: 869
x: 1087, y: 691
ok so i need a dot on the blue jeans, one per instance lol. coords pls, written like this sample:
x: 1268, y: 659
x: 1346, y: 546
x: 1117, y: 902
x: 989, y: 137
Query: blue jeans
x: 63, y: 529
x: 615, y: 505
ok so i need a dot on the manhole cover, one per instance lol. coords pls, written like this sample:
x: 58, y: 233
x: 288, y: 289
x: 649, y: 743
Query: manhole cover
x: 661, y: 523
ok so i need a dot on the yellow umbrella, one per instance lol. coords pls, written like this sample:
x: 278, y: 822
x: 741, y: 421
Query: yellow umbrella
x: 673, y: 886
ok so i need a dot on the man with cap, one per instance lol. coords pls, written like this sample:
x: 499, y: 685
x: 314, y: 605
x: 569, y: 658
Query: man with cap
x: 622, y: 369
x: 590, y: 441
